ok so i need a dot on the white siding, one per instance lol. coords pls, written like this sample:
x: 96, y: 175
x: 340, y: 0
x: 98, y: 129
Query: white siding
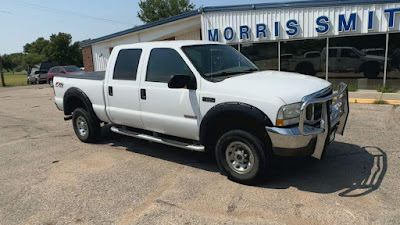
x: 306, y: 18
x: 193, y: 35
x: 185, y: 28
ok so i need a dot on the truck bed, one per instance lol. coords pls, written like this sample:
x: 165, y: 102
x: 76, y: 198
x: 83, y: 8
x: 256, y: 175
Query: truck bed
x: 99, y: 75
x: 90, y: 83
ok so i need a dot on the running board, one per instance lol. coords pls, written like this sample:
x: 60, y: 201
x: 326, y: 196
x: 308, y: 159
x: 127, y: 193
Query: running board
x: 178, y: 144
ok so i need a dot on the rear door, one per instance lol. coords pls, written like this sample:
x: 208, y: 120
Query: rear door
x: 122, y: 89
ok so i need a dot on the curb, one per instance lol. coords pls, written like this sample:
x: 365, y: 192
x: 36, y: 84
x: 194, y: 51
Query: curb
x: 371, y: 101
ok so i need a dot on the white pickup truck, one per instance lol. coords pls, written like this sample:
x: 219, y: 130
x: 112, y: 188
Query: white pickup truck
x: 205, y: 96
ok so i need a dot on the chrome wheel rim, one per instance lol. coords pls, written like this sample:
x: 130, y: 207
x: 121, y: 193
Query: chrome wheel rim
x: 239, y: 157
x: 82, y: 126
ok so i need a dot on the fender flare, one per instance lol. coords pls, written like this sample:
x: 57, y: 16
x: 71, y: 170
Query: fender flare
x: 77, y: 93
x: 232, y: 107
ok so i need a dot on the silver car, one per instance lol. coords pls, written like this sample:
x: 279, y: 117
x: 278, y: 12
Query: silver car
x: 37, y: 77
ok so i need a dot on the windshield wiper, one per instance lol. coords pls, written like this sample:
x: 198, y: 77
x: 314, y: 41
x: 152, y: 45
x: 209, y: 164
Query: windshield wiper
x: 249, y: 70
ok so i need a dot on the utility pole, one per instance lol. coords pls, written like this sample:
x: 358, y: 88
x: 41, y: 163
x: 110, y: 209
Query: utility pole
x: 1, y: 72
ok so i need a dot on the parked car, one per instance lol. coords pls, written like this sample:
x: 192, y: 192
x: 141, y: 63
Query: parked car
x: 205, y: 96
x: 341, y: 59
x: 58, y: 70
x: 37, y: 76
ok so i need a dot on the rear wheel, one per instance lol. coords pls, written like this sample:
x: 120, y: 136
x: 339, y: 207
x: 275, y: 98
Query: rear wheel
x: 86, y: 127
x: 51, y: 82
x: 241, y: 156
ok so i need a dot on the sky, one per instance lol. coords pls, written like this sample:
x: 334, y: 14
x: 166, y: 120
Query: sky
x: 23, y: 21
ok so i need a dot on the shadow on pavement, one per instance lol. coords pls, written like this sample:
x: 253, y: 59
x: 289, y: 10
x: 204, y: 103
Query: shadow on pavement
x: 352, y: 170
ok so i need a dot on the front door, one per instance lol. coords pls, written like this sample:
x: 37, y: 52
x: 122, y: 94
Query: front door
x: 349, y: 61
x: 122, y: 89
x: 164, y: 110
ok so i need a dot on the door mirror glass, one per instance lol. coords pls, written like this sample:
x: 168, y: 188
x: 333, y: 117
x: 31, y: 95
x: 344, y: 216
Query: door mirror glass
x: 180, y: 81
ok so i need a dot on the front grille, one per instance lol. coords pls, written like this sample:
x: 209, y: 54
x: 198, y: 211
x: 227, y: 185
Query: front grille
x: 313, y: 111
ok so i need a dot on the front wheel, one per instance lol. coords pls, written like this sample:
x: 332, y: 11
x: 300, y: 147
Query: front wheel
x: 86, y: 127
x: 241, y: 156
x: 51, y: 82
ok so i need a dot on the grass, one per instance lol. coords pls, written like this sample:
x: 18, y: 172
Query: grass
x: 352, y: 88
x: 380, y: 102
x: 386, y: 89
x: 17, y: 79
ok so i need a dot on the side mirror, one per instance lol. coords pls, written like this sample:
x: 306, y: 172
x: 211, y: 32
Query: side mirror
x: 181, y: 81
x: 62, y: 72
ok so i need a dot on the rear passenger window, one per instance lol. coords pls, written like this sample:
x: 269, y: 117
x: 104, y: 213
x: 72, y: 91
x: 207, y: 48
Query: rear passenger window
x: 164, y: 63
x: 127, y: 64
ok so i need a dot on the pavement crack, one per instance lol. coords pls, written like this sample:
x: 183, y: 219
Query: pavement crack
x: 164, y: 184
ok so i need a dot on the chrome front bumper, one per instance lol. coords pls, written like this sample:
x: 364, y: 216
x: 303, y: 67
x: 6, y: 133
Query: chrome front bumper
x: 308, y: 139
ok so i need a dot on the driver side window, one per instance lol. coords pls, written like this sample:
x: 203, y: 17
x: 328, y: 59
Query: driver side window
x: 164, y: 63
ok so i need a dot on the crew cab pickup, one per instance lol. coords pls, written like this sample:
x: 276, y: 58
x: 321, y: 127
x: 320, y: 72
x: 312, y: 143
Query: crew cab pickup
x: 205, y: 96
x: 341, y: 59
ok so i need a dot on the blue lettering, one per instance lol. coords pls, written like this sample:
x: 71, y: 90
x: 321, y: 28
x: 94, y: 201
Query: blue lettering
x: 350, y: 25
x: 292, y: 26
x: 228, y: 31
x: 244, y: 30
x: 392, y: 13
x: 213, y: 36
x: 323, y: 24
x: 371, y: 20
x: 276, y: 29
x: 261, y: 28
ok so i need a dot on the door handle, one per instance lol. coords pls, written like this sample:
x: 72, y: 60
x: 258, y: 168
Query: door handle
x: 143, y: 94
x: 110, y: 90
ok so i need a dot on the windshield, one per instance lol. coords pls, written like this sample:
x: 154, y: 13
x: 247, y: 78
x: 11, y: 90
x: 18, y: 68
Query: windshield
x: 70, y: 69
x: 218, y: 60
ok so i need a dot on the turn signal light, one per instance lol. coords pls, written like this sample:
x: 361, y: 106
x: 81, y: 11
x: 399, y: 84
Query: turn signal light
x: 280, y: 123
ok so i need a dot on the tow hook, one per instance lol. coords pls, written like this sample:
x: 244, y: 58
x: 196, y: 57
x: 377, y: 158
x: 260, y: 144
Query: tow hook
x: 67, y: 117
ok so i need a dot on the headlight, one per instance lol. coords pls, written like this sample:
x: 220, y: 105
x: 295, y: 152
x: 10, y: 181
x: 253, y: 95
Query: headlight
x: 289, y: 114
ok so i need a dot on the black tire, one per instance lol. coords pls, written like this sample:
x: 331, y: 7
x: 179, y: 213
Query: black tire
x: 92, y: 125
x: 371, y: 70
x: 260, y: 154
x: 306, y: 68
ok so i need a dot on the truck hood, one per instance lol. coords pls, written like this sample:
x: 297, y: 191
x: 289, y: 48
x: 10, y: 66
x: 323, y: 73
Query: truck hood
x: 290, y: 87
x: 374, y: 57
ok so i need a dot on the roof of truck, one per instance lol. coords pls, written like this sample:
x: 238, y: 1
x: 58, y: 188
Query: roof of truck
x: 167, y: 44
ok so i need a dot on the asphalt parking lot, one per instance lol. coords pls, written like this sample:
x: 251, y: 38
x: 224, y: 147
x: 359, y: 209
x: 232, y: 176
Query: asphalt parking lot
x: 47, y: 176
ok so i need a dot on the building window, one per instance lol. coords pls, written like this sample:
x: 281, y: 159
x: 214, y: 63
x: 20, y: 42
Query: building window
x: 264, y: 55
x: 304, y: 56
x: 358, y: 62
x: 393, y: 69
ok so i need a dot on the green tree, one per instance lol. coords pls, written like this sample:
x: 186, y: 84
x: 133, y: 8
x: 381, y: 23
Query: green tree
x: 40, y: 46
x: 33, y: 59
x: 154, y: 10
x: 19, y: 60
x: 8, y: 64
x: 59, y: 48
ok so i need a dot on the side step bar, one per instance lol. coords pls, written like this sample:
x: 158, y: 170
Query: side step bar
x: 178, y: 144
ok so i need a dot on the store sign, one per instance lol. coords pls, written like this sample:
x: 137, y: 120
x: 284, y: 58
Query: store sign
x: 323, y: 25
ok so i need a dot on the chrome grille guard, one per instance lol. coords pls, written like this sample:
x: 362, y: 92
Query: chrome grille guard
x: 338, y: 105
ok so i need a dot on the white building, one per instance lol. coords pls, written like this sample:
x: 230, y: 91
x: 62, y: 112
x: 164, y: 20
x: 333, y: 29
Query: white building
x: 363, y: 38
